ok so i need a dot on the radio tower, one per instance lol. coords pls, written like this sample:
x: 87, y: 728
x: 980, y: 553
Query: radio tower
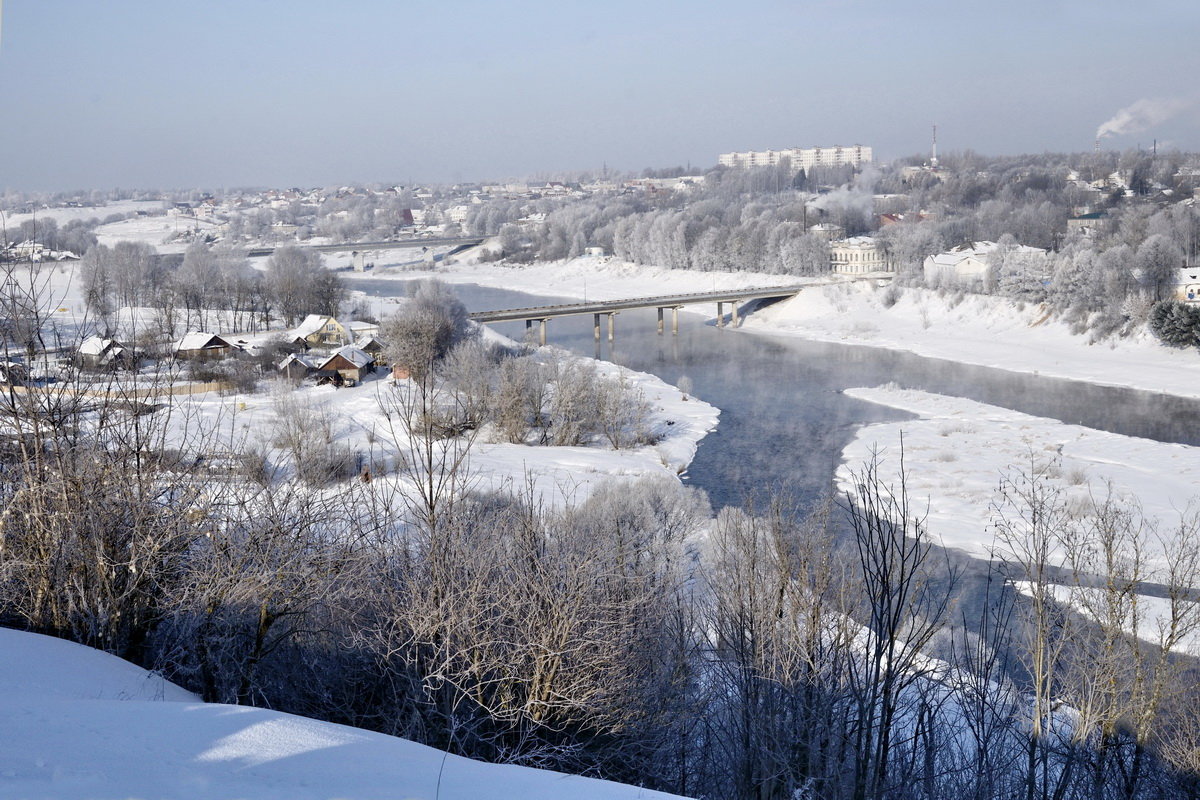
x: 933, y: 156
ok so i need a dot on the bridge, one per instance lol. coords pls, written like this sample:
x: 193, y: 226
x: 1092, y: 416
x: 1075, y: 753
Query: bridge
x: 400, y: 244
x: 542, y: 314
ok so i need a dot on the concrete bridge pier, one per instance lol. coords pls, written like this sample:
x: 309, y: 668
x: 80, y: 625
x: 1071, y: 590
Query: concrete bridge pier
x: 674, y: 320
x: 611, y: 325
x: 734, y: 318
x: 541, y: 329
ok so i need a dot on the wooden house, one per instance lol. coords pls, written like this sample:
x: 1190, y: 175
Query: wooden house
x: 200, y: 346
x: 318, y: 330
x: 349, y: 362
x: 297, y: 366
x: 100, y: 353
x: 375, y: 349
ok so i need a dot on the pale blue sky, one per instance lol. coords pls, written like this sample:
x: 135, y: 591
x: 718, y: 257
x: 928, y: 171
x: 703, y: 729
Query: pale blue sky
x: 135, y: 93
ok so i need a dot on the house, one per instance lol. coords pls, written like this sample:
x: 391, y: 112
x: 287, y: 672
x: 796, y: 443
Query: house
x: 317, y: 330
x: 1086, y: 225
x: 859, y: 255
x: 967, y: 264
x: 98, y: 352
x: 297, y: 366
x: 964, y: 264
x: 375, y: 349
x: 350, y: 363
x: 27, y: 250
x: 1187, y: 289
x: 200, y: 346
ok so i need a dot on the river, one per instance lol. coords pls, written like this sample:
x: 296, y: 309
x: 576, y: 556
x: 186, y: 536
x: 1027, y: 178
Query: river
x: 784, y: 420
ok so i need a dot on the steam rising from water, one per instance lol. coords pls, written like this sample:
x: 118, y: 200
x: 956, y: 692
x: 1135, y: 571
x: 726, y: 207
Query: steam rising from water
x: 1145, y: 113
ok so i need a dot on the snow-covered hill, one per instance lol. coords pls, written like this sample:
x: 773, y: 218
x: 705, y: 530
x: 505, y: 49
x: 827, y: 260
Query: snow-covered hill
x: 78, y: 723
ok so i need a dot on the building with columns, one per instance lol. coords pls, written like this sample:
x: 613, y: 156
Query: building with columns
x: 858, y: 255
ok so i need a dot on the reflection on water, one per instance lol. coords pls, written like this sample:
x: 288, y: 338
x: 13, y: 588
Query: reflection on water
x: 784, y: 420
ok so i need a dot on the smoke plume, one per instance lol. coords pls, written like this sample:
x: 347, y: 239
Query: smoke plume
x: 1145, y: 113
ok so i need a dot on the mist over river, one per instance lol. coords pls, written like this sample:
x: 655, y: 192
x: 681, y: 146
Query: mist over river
x: 784, y: 420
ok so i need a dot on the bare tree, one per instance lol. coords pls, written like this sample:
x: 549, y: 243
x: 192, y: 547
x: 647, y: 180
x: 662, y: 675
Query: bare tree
x: 904, y: 605
x: 299, y: 284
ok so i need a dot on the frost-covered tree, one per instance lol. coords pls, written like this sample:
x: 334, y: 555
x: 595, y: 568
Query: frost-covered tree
x: 426, y: 328
x: 1158, y: 263
x: 299, y: 284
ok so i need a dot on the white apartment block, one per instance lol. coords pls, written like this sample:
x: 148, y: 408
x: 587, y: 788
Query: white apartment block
x: 858, y: 256
x: 800, y: 157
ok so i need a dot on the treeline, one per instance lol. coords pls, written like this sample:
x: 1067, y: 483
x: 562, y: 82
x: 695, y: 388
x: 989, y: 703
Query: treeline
x: 1100, y: 287
x: 769, y: 652
x: 341, y: 217
x: 747, y: 220
x: 75, y: 236
x: 213, y: 288
x: 757, y: 220
x: 714, y: 234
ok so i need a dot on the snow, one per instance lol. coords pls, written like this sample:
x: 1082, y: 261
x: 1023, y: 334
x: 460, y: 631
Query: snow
x: 198, y: 340
x: 65, y: 214
x: 78, y: 723
x: 1153, y: 614
x: 983, y: 330
x: 589, y: 278
x: 42, y: 666
x: 560, y: 475
x: 311, y: 324
x: 154, y: 231
x: 958, y: 450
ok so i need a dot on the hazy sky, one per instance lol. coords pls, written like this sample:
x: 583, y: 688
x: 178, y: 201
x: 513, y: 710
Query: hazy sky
x: 106, y: 93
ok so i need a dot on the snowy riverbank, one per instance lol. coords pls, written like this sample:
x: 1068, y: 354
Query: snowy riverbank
x: 357, y: 419
x: 982, y: 330
x: 958, y: 451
